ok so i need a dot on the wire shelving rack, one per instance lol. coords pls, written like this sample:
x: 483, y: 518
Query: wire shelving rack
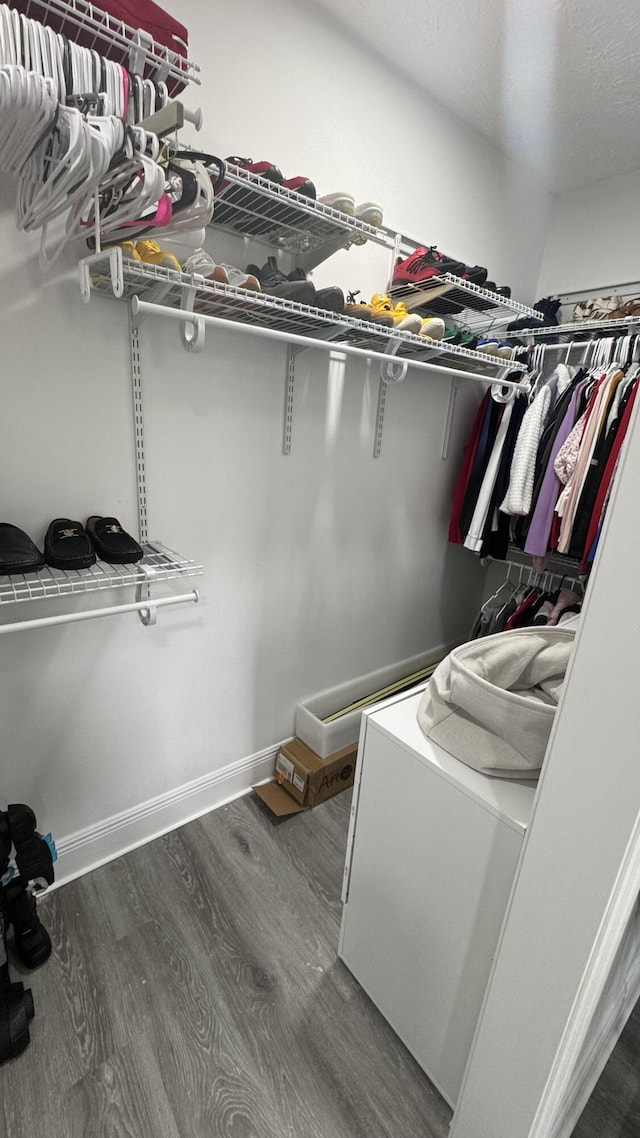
x: 478, y: 309
x: 161, y: 285
x: 159, y: 564
x: 84, y: 22
x: 251, y: 206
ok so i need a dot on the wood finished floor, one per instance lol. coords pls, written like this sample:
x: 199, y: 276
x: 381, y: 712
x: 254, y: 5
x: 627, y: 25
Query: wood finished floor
x: 613, y: 1111
x: 194, y: 992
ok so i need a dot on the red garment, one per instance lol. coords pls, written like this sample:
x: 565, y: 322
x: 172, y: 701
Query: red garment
x: 144, y: 14
x: 469, y: 453
x: 606, y: 479
x: 522, y: 609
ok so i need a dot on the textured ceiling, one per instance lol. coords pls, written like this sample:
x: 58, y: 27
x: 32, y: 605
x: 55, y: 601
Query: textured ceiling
x: 553, y: 83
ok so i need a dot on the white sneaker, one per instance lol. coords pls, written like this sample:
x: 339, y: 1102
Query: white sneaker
x: 204, y: 265
x: 345, y: 203
x: 411, y: 323
x: 371, y: 214
x: 240, y: 279
x: 432, y: 327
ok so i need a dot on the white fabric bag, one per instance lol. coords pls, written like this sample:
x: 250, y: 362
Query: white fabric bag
x: 491, y: 702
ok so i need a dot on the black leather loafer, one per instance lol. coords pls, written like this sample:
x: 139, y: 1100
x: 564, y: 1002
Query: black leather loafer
x: 18, y: 554
x: 111, y: 542
x: 67, y: 545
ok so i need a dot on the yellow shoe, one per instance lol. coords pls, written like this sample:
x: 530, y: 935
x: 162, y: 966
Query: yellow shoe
x: 402, y: 318
x: 129, y: 251
x: 151, y: 252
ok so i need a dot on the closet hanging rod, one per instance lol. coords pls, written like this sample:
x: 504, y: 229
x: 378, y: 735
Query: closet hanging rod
x: 92, y: 614
x: 199, y: 322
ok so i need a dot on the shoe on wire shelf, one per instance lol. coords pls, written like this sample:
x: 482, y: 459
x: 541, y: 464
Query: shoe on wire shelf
x: 362, y: 311
x: 202, y: 263
x: 432, y: 328
x: 273, y: 281
x: 403, y: 320
x: 152, y: 254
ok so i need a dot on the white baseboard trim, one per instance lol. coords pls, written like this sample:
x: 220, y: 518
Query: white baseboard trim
x: 95, y: 845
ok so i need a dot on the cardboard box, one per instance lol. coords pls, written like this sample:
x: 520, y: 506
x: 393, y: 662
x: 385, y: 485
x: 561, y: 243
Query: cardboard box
x: 303, y: 779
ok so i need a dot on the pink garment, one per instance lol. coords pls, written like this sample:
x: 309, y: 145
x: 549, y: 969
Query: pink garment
x: 585, y: 454
x: 567, y: 456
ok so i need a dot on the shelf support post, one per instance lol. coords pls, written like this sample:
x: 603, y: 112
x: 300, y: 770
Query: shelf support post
x: 382, y: 399
x: 290, y: 381
x: 138, y: 427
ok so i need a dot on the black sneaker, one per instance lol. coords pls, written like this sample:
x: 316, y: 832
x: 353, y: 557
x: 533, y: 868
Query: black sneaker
x: 331, y: 298
x: 476, y: 274
x: 274, y: 282
x: 547, y: 308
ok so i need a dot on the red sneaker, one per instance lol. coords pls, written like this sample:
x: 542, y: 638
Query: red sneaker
x: 265, y: 170
x: 301, y: 186
x: 423, y: 265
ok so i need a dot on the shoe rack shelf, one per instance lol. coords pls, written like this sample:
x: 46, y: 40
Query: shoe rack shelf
x: 250, y: 206
x: 158, y: 564
x: 573, y: 330
x: 112, y: 275
x: 480, y: 309
x: 81, y: 20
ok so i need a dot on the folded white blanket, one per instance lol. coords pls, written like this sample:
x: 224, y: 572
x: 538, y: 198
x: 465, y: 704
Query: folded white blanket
x: 491, y: 702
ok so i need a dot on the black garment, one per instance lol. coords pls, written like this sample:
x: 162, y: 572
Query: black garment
x: 480, y: 463
x: 587, y: 500
x: 495, y: 537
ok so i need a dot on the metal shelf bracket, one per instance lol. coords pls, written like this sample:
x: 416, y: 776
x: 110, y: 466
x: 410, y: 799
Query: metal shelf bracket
x: 194, y: 331
x: 393, y: 372
x: 147, y: 615
x: 114, y: 258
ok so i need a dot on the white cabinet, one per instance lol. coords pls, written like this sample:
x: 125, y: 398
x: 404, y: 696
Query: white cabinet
x: 432, y: 854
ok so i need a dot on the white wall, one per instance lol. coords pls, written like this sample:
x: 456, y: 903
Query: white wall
x: 319, y: 566
x: 593, y: 241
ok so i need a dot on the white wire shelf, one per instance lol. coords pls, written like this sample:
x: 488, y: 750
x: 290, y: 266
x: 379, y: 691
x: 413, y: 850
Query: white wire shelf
x: 84, y: 23
x: 576, y: 328
x: 158, y: 564
x: 254, y: 207
x: 160, y: 285
x: 479, y: 309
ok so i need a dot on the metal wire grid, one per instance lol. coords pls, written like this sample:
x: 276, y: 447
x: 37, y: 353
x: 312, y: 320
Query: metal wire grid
x: 110, y: 37
x: 159, y: 564
x: 255, y: 207
x: 573, y: 328
x: 481, y: 308
x: 158, y: 284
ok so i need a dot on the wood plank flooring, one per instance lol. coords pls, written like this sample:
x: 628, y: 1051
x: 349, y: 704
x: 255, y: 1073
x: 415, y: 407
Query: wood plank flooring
x: 194, y: 992
x: 613, y: 1111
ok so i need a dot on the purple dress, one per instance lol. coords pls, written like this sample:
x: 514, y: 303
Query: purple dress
x: 537, y: 542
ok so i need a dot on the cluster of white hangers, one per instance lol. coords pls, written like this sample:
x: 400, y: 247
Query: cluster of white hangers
x: 61, y: 156
x: 604, y: 351
x: 77, y: 72
x: 67, y: 134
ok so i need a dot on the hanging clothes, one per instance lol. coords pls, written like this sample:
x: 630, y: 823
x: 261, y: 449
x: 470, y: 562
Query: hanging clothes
x: 594, y: 417
x: 539, y: 475
x: 469, y: 454
x: 474, y: 538
x: 606, y: 482
x: 518, y: 497
x: 539, y: 532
